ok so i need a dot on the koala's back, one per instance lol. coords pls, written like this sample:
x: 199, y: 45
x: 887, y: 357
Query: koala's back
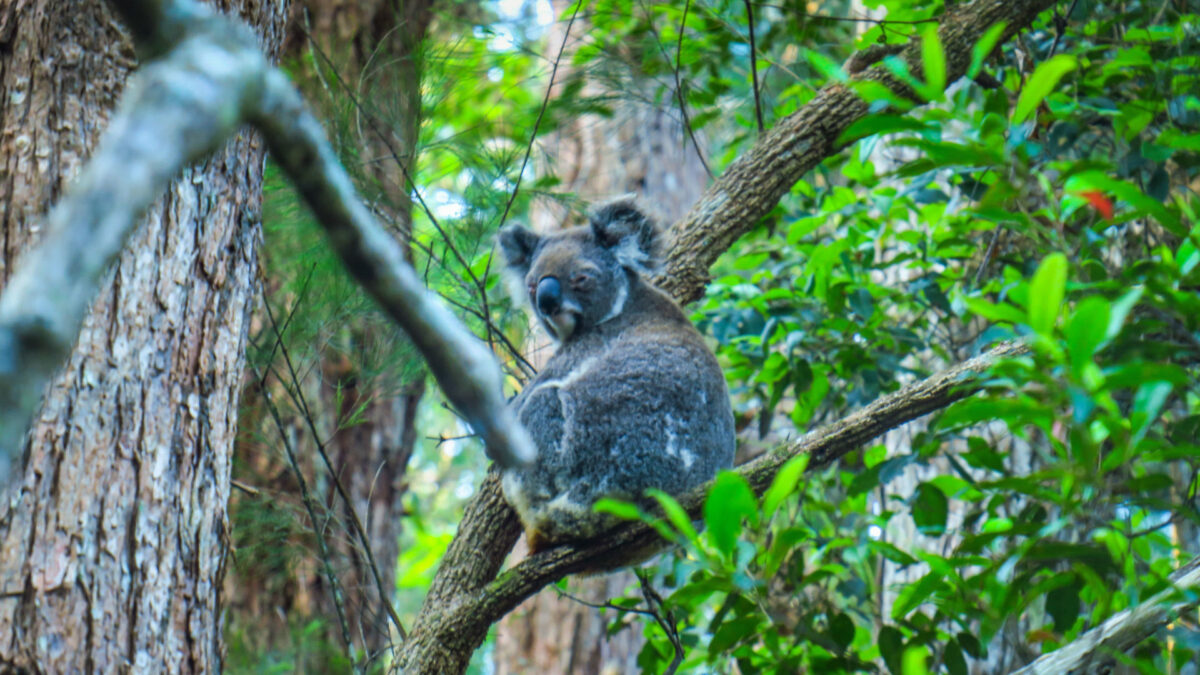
x: 640, y: 404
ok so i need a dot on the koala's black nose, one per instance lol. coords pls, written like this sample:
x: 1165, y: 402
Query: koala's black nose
x: 549, y: 296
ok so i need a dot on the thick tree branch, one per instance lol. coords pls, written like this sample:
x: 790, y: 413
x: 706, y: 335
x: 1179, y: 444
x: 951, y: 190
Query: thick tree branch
x: 211, y: 78
x: 465, y: 600
x: 754, y: 184
x: 1096, y: 650
x: 466, y: 597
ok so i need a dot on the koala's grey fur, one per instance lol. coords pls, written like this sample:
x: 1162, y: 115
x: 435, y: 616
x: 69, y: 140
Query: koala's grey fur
x: 633, y: 398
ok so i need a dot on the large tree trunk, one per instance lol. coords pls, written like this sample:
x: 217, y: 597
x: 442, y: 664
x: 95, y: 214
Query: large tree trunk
x: 639, y: 149
x: 371, y: 455
x: 112, y: 544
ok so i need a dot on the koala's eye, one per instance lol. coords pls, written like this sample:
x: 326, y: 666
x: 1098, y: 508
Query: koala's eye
x: 581, y: 280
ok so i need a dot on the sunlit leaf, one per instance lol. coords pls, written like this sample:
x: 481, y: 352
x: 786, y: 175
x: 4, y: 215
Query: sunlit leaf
x: 1044, y: 79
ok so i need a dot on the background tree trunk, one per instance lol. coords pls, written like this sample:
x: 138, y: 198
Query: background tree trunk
x: 369, y: 455
x: 113, y: 542
x: 645, y: 150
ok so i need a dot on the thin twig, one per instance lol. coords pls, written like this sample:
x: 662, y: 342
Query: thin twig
x: 754, y: 66
x: 665, y: 619
x: 541, y: 113
x: 687, y: 122
x: 306, y: 497
x: 302, y: 405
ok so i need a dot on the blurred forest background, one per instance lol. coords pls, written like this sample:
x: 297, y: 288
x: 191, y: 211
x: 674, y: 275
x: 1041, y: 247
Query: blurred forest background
x: 1051, y: 195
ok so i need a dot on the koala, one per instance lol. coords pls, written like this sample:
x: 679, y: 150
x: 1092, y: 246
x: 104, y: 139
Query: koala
x: 632, y: 399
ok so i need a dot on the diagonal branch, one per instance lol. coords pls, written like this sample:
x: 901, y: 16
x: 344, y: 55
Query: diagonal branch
x: 464, y: 600
x: 207, y: 78
x: 1096, y: 650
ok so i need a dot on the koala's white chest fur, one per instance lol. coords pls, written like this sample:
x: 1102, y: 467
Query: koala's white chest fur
x: 633, y: 399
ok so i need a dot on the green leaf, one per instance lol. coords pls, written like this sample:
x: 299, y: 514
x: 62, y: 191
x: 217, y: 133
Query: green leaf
x: 1062, y: 604
x: 891, y: 648
x: 733, y: 632
x: 915, y: 660
x: 996, y: 312
x: 1147, y: 403
x: 1087, y: 330
x: 729, y: 501
x: 1121, y: 309
x: 784, y: 484
x: 1044, y: 79
x: 618, y: 508
x: 872, y: 125
x: 1046, y: 293
x: 930, y: 509
x: 675, y: 514
x: 841, y: 629
x: 952, y: 656
x: 987, y: 42
x: 933, y: 58
x: 825, y: 65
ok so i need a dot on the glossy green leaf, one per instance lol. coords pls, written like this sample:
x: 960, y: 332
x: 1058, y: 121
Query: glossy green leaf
x: 930, y: 508
x: 1046, y: 292
x: 675, y: 514
x: 730, y: 501
x: 784, y: 484
x: 1044, y: 79
x: 987, y: 42
x: 933, y: 60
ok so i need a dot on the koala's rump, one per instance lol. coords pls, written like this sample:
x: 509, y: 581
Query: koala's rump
x: 644, y: 413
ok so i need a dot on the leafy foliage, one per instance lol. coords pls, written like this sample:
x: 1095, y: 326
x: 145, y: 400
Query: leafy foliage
x: 1050, y: 197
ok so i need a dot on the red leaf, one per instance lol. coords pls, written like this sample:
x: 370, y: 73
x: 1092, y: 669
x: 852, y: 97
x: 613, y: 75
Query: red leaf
x: 1099, y: 202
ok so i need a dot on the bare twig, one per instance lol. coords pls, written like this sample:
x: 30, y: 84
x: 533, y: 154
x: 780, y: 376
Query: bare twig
x: 687, y: 122
x: 665, y: 619
x: 360, y: 532
x: 541, y: 113
x: 306, y: 497
x: 754, y: 66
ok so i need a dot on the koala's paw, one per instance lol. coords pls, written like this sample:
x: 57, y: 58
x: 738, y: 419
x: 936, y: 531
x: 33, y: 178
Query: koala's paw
x: 537, y: 541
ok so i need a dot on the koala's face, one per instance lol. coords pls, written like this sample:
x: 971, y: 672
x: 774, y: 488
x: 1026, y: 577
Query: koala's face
x: 578, y: 278
x: 574, y: 284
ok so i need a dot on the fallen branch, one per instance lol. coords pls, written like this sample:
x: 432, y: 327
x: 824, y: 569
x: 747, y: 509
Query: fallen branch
x: 209, y: 78
x: 466, y: 596
x: 1096, y: 651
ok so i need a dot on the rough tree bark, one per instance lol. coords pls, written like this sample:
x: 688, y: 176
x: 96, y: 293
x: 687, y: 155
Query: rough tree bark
x: 370, y: 456
x: 1096, y: 652
x: 466, y: 596
x: 638, y: 149
x: 112, y: 543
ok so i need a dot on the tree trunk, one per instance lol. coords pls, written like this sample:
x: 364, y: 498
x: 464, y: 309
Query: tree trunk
x: 644, y: 150
x: 113, y: 542
x: 370, y: 455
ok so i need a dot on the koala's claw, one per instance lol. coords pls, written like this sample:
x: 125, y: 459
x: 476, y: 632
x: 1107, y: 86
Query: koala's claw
x: 537, y: 542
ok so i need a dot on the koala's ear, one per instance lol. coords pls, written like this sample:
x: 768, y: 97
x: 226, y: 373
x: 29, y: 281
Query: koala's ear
x: 633, y: 236
x: 518, y: 244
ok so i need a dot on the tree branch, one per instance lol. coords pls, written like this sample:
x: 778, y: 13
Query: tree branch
x: 466, y: 597
x: 211, y: 78
x: 1096, y: 650
x: 464, y: 600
